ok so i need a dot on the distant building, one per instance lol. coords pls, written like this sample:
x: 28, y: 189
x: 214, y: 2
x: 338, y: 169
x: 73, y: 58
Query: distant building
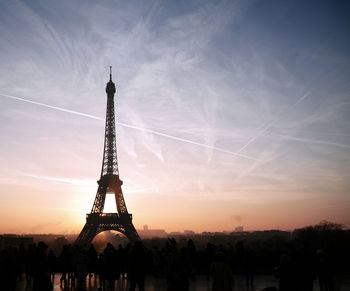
x: 239, y: 229
x: 175, y: 233
x: 189, y: 232
x: 150, y: 233
x: 13, y: 240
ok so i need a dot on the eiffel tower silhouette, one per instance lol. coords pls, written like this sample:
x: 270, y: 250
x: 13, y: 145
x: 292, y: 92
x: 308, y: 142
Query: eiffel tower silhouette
x: 109, y: 182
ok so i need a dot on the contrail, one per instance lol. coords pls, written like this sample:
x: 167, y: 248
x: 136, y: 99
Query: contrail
x: 263, y: 128
x: 132, y: 126
x: 309, y: 140
x: 186, y: 140
x: 53, y: 107
x: 266, y: 126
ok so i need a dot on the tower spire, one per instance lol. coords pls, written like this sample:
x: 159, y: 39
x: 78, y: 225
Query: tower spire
x: 110, y: 87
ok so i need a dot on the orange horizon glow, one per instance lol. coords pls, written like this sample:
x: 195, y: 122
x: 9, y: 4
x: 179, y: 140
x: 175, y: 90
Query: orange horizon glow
x: 228, y: 113
x: 71, y: 220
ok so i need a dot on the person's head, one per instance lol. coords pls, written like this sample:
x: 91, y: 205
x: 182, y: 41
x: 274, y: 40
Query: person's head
x: 42, y: 247
x: 219, y: 257
x: 284, y: 259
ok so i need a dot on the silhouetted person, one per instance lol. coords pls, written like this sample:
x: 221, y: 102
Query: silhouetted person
x: 240, y: 252
x: 121, y: 255
x: 192, y: 258
x: 64, y: 263
x: 29, y: 265
x: 101, y: 270
x: 110, y: 260
x: 305, y: 268
x: 52, y: 264
x: 41, y: 278
x: 157, y: 262
x: 286, y: 274
x: 8, y: 269
x: 171, y: 264
x: 92, y: 254
x: 21, y: 254
x: 178, y: 270
x: 208, y: 258
x: 72, y: 263
x: 149, y: 261
x: 82, y: 268
x: 221, y: 273
x: 183, y: 268
x: 248, y: 265
x: 324, y: 272
x: 136, y: 270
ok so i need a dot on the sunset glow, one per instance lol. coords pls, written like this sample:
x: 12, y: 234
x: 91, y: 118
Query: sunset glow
x: 228, y: 113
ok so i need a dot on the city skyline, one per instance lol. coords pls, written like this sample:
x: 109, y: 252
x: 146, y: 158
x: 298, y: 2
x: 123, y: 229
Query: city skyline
x: 228, y: 113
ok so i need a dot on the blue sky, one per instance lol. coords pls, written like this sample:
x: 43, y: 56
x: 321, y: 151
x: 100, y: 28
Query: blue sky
x: 239, y: 111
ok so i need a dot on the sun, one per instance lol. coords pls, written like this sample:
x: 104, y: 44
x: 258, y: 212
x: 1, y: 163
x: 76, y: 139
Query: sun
x: 110, y: 204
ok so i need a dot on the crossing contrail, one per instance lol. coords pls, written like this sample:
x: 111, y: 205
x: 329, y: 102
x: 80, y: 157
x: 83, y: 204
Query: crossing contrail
x: 263, y: 128
x: 237, y: 154
x: 186, y: 140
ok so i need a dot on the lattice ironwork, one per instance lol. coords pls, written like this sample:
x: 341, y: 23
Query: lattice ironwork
x: 109, y: 182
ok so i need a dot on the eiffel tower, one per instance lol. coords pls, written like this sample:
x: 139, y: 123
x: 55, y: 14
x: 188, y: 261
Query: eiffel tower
x: 109, y: 183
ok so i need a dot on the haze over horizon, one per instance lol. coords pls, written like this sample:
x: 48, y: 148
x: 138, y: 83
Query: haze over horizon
x: 228, y: 112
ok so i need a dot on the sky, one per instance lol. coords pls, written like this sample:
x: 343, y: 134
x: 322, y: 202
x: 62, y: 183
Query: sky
x: 228, y: 113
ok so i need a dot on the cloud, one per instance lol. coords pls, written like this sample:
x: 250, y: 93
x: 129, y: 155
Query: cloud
x: 45, y: 227
x: 237, y: 218
x: 133, y: 127
x: 211, y: 98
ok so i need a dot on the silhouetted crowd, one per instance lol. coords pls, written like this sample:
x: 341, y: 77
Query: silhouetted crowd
x: 35, y: 266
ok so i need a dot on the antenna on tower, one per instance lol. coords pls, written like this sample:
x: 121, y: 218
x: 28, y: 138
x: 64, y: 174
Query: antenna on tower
x: 110, y: 73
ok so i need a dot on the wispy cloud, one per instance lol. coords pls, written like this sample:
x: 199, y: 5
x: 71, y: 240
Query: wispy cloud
x: 263, y: 128
x: 133, y: 127
x: 212, y: 99
x: 72, y: 181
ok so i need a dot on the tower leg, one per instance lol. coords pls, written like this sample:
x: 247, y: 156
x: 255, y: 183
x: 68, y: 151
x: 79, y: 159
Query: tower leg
x: 131, y: 233
x: 87, y: 234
